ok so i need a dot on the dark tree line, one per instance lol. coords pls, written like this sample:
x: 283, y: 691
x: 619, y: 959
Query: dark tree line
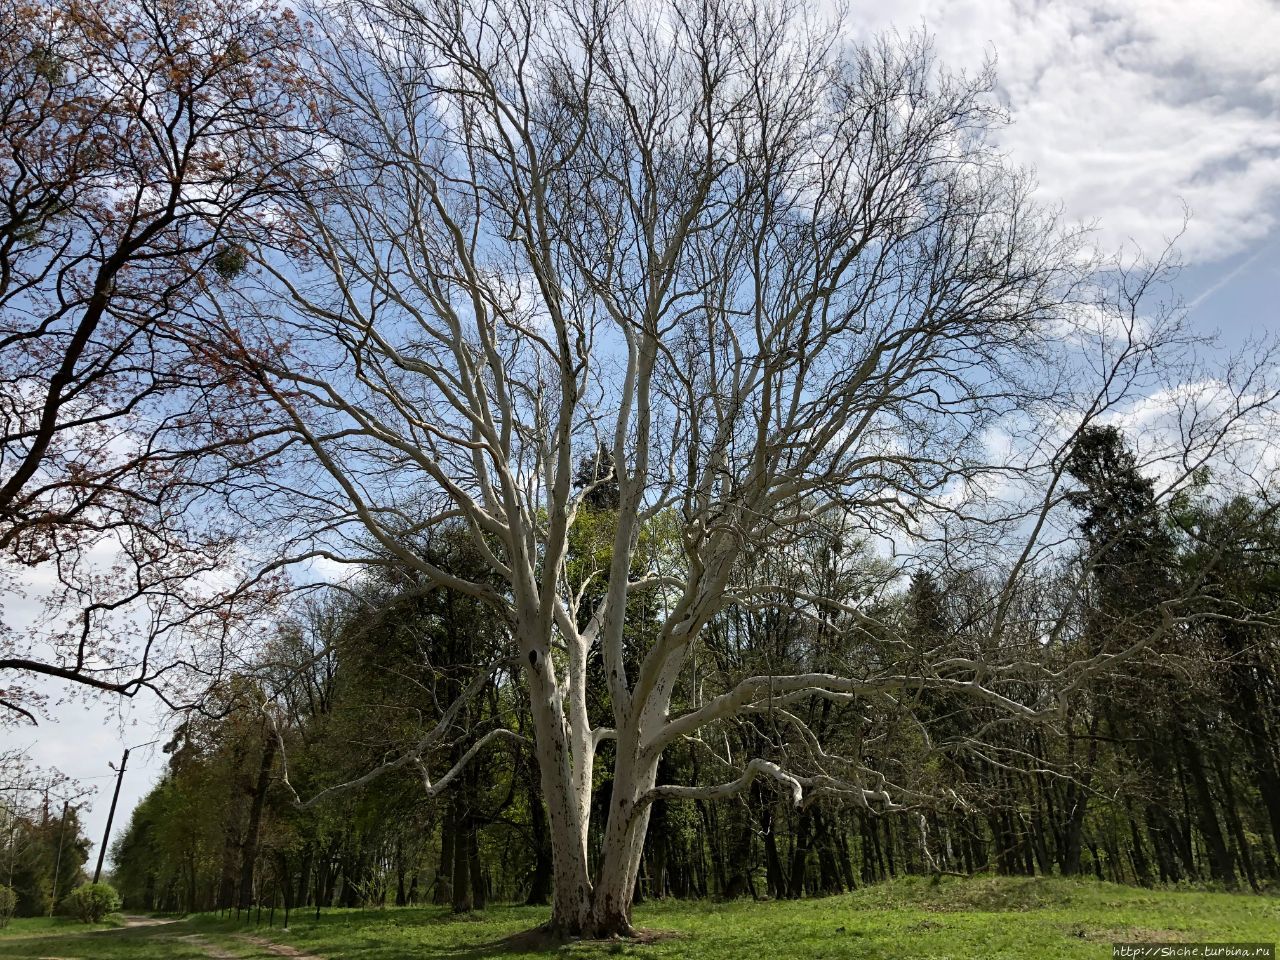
x: 1166, y: 770
x: 43, y: 849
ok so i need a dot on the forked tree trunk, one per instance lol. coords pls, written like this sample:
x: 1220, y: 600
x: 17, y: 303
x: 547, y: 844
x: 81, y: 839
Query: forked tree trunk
x: 581, y: 907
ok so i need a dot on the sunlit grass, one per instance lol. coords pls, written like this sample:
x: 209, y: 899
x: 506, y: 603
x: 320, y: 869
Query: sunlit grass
x: 31, y: 926
x: 984, y: 917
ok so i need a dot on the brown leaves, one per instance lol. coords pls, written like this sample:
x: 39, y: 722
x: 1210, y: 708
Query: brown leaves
x: 143, y: 149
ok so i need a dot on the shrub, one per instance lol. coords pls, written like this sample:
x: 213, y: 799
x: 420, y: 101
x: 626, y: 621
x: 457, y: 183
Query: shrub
x: 8, y: 903
x: 93, y: 901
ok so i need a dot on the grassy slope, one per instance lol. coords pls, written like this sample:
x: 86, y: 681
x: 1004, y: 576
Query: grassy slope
x: 986, y: 917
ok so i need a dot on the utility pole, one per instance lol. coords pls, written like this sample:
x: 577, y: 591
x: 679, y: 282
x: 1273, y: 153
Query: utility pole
x: 13, y: 830
x: 111, y: 815
x: 57, y: 862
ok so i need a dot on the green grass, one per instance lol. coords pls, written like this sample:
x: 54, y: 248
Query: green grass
x: 1044, y: 918
x: 63, y: 938
x: 31, y: 926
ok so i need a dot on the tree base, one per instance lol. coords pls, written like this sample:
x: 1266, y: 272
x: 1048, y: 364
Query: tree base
x: 616, y: 929
x: 553, y: 936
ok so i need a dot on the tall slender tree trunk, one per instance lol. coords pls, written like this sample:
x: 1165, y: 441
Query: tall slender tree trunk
x: 772, y: 862
x: 443, y: 893
x: 460, y: 875
x: 479, y: 887
x: 1077, y: 805
x: 1141, y: 866
x: 540, y: 883
x: 1232, y: 814
x: 1220, y: 865
x: 303, y: 895
x: 799, y: 858
x: 402, y: 894
x: 253, y: 831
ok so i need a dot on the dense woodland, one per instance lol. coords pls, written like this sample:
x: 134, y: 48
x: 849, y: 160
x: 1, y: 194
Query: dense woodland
x: 1165, y: 772
x: 43, y: 849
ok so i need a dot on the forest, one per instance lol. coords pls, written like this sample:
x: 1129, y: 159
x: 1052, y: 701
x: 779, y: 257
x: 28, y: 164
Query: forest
x: 1165, y: 772
x: 44, y: 847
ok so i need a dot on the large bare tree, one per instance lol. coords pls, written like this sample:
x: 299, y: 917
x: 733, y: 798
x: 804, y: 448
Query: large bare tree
x: 785, y: 284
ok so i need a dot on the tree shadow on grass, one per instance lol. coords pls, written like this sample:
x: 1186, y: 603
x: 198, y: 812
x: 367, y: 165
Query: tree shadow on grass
x: 541, y: 940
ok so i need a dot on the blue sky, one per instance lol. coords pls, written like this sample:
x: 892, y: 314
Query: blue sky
x: 1130, y: 111
x: 1238, y: 296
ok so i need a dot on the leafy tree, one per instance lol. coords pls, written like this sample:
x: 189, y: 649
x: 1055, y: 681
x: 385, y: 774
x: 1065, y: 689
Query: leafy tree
x: 142, y: 147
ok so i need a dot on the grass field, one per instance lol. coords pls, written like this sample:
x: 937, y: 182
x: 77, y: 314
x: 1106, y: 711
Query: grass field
x: 980, y: 918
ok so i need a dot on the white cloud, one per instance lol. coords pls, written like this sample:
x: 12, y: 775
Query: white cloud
x: 1128, y: 110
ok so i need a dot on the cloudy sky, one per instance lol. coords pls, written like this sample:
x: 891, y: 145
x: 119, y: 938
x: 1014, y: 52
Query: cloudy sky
x: 1130, y: 111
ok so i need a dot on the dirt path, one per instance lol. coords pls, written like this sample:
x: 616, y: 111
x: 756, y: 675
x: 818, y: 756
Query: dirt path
x: 150, y: 936
x: 211, y: 951
x: 135, y: 921
x: 279, y: 949
x: 215, y: 952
